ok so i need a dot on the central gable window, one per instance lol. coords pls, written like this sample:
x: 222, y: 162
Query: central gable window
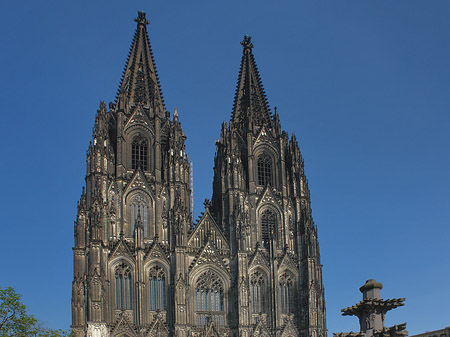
x: 209, y: 297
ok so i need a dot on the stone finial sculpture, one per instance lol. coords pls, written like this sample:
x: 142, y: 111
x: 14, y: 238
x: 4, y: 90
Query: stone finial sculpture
x: 371, y: 312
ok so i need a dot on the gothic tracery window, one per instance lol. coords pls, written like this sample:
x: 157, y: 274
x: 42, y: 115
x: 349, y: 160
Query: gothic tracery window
x: 123, y: 286
x: 268, y: 225
x: 139, y: 148
x: 264, y: 169
x: 139, y: 208
x: 157, y: 289
x: 286, y: 293
x: 209, y: 298
x: 258, y: 294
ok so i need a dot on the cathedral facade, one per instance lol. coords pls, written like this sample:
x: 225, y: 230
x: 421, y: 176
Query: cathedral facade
x: 250, y: 266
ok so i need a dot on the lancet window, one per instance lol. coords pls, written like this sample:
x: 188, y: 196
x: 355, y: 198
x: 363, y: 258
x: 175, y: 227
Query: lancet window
x: 268, y: 225
x: 157, y: 289
x: 258, y: 293
x: 209, y: 298
x: 139, y: 208
x: 286, y: 293
x: 139, y: 148
x: 123, y: 287
x: 264, y: 169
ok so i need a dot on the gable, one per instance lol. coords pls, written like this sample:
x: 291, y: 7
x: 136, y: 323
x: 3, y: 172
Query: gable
x: 268, y: 197
x: 258, y: 260
x: 209, y: 255
x: 158, y: 328
x: 287, y: 263
x: 138, y: 118
x: 138, y: 181
x: 156, y: 252
x: 121, y: 249
x: 289, y: 329
x: 207, y: 229
x: 123, y: 327
x: 265, y: 138
x: 261, y: 329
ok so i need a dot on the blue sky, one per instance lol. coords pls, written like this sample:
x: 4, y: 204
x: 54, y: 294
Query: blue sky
x: 363, y: 84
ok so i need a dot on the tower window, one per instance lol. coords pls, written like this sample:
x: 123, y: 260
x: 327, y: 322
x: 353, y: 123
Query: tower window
x: 139, y: 148
x: 286, y: 294
x: 264, y: 169
x: 258, y: 293
x: 139, y: 208
x: 157, y: 285
x: 123, y: 287
x: 268, y: 224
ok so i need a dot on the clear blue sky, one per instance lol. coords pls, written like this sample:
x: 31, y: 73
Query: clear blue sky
x: 363, y: 84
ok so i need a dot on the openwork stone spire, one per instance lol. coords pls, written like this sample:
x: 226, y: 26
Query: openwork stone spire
x: 140, y: 83
x: 251, y: 109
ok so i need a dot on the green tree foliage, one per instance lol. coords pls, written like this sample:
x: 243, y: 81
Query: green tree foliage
x: 14, y: 320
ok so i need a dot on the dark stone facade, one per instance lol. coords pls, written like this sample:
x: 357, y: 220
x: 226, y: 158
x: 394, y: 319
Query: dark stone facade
x: 249, y: 267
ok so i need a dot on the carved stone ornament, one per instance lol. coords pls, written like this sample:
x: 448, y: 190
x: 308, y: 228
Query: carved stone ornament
x: 97, y: 330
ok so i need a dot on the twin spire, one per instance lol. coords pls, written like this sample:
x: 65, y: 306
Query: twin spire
x: 140, y: 83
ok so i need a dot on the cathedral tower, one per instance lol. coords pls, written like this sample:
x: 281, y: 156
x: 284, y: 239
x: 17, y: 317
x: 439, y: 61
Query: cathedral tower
x: 135, y: 209
x: 250, y: 266
x: 261, y: 202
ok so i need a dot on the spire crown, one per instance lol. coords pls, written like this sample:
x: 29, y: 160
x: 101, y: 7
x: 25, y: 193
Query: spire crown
x: 141, y: 19
x: 247, y: 43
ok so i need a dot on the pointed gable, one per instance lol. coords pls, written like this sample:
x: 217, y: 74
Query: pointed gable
x: 265, y: 138
x: 209, y: 255
x: 156, y: 252
x: 138, y: 181
x: 139, y: 118
x: 261, y: 329
x: 121, y: 249
x: 207, y: 229
x: 211, y: 330
x: 287, y: 263
x: 140, y: 83
x: 268, y: 197
x: 123, y: 327
x: 158, y: 328
x: 289, y: 329
x: 259, y: 259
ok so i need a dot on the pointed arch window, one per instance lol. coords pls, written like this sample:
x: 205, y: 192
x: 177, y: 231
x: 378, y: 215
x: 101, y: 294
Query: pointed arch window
x: 123, y: 287
x: 286, y: 294
x: 139, y: 148
x: 139, y: 208
x: 258, y: 294
x: 264, y: 165
x: 209, y: 299
x: 157, y: 288
x: 268, y: 225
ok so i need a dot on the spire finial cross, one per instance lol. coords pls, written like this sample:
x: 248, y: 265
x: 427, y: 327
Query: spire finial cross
x: 141, y: 19
x: 247, y: 42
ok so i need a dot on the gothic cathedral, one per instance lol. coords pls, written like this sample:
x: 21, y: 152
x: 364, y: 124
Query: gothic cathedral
x: 250, y: 266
